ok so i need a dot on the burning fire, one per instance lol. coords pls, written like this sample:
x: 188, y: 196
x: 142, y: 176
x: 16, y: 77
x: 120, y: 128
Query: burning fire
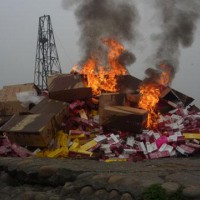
x: 150, y: 93
x: 103, y: 78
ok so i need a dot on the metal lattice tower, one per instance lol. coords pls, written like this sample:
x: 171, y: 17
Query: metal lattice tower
x: 46, y: 61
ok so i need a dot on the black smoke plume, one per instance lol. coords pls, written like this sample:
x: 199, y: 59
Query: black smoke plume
x: 126, y: 58
x: 99, y: 19
x: 178, y: 25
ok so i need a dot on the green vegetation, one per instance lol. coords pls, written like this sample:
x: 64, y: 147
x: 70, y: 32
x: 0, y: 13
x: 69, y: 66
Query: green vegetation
x: 156, y: 192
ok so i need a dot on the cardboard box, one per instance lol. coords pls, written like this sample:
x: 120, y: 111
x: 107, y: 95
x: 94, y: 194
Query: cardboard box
x: 4, y: 119
x: 58, y: 108
x: 170, y: 95
x: 67, y: 88
x: 128, y: 83
x: 9, y: 104
x: 124, y: 118
x: 36, y: 130
x: 109, y: 99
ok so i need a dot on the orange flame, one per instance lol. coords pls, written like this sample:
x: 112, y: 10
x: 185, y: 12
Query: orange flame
x: 150, y: 93
x: 104, y: 78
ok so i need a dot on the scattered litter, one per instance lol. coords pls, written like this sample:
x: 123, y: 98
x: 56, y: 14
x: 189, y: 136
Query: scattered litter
x: 102, y: 128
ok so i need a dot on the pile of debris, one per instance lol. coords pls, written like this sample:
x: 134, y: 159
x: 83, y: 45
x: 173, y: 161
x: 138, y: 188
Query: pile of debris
x: 13, y: 150
x: 67, y: 121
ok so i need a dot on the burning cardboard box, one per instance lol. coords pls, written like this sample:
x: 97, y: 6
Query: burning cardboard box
x: 128, y: 82
x: 67, y: 88
x: 10, y: 103
x: 36, y: 130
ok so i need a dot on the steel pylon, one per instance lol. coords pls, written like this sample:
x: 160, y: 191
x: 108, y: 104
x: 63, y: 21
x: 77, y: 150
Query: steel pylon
x: 46, y: 60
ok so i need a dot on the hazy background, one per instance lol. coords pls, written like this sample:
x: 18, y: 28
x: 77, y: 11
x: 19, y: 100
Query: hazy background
x: 18, y: 40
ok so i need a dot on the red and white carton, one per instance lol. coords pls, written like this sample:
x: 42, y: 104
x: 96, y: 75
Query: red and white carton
x: 110, y: 141
x: 161, y: 119
x: 163, y: 147
x: 181, y: 126
x: 173, y: 153
x: 187, y: 149
x: 180, y: 150
x: 196, y: 141
x: 154, y: 146
x: 130, y: 141
x: 154, y: 155
x: 161, y: 140
x: 178, y: 133
x: 169, y: 148
x: 123, y: 156
x: 168, y: 133
x: 95, y: 147
x: 172, y: 138
x: 76, y: 104
x: 146, y: 138
x: 158, y: 154
x: 150, y: 133
x: 100, y: 138
x: 174, y: 126
x: 193, y: 145
x: 180, y: 139
x: 149, y: 147
x: 185, y: 111
x: 175, y: 117
x: 110, y: 155
x: 156, y: 135
x: 115, y: 138
x: 173, y: 111
x: 161, y: 125
x: 107, y: 151
x: 104, y: 146
x: 129, y: 151
x: 117, y: 152
x: 142, y: 146
x: 140, y: 137
x: 96, y: 119
x: 137, y: 143
x: 164, y: 154
x: 180, y: 121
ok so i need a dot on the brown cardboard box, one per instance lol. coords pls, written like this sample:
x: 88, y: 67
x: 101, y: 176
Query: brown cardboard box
x: 36, y: 130
x: 175, y: 97
x: 58, y: 108
x: 4, y: 119
x: 67, y: 88
x: 124, y: 118
x: 9, y: 104
x: 128, y: 83
x: 109, y: 99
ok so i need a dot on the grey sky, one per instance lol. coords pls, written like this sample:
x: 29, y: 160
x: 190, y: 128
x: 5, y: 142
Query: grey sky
x: 18, y: 37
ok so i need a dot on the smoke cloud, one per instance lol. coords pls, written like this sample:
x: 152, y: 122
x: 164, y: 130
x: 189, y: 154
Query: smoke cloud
x: 126, y: 58
x: 68, y: 3
x: 178, y: 18
x: 99, y: 19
